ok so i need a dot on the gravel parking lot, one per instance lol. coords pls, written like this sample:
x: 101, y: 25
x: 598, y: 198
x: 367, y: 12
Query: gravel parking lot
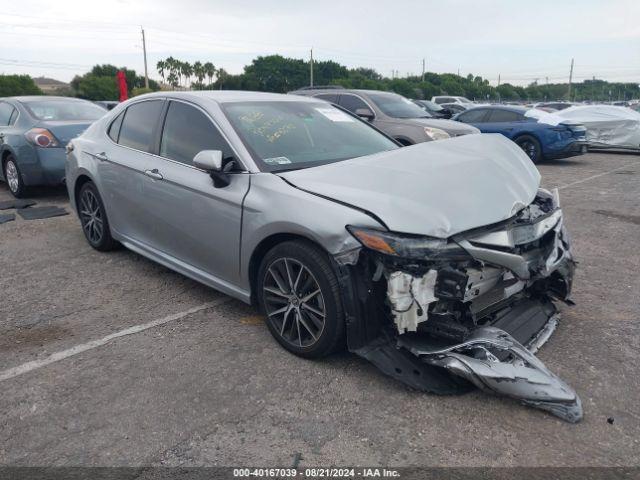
x: 207, y: 385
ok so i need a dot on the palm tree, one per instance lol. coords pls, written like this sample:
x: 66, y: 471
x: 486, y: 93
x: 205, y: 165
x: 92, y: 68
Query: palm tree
x: 187, y: 70
x: 221, y: 74
x: 210, y: 71
x: 171, y: 64
x: 199, y: 72
x: 160, y: 66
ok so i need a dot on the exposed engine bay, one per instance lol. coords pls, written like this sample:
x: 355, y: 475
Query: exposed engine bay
x: 442, y: 315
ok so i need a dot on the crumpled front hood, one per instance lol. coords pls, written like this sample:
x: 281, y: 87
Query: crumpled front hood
x: 435, y: 188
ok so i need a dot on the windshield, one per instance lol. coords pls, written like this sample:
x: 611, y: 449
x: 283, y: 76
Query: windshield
x: 291, y: 135
x: 64, y: 110
x: 464, y: 100
x: 396, y: 106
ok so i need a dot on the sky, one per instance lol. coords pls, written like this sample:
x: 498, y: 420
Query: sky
x: 520, y: 40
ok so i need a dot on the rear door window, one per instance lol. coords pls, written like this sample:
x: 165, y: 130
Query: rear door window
x: 187, y: 131
x: 473, y: 116
x: 499, y: 116
x: 352, y: 103
x: 139, y: 124
x: 6, y: 110
x: 114, y: 129
x: 14, y: 116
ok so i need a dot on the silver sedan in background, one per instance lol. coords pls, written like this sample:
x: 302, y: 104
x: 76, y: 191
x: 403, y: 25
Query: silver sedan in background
x: 440, y: 262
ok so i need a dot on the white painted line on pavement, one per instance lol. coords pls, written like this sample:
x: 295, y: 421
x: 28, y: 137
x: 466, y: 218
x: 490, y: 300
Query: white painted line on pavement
x: 595, y: 176
x: 70, y: 352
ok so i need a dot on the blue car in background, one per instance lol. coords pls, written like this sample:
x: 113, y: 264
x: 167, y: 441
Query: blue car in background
x: 540, y: 134
x: 34, y: 132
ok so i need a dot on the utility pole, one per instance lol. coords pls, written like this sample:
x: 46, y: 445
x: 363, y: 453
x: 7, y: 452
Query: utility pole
x: 570, y: 78
x: 311, y: 69
x: 498, y: 87
x: 423, y: 65
x: 144, y: 49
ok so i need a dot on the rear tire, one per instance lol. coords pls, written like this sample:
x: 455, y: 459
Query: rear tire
x: 297, y: 290
x: 13, y: 177
x: 93, y: 217
x: 531, y: 146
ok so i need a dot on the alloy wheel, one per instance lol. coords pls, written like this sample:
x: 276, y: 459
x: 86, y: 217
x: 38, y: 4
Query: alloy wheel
x: 91, y: 217
x: 12, y: 176
x: 294, y: 302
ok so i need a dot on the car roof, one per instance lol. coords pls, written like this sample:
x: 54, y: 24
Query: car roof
x: 224, y: 96
x: 36, y: 98
x: 312, y: 91
x: 508, y: 108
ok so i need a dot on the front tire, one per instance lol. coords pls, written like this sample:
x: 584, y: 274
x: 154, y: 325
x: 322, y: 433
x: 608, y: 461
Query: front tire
x: 297, y: 290
x: 13, y: 177
x: 531, y: 146
x: 93, y: 217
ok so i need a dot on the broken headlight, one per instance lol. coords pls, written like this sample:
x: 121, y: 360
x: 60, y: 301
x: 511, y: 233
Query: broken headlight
x: 407, y: 246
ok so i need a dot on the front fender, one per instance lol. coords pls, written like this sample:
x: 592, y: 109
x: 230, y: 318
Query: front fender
x: 273, y: 206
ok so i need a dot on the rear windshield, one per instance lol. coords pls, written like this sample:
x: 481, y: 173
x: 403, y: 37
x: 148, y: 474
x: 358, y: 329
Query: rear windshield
x: 64, y: 110
x: 292, y: 135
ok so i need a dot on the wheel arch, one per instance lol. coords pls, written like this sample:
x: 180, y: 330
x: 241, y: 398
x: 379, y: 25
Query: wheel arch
x: 267, y: 244
x: 80, y: 180
x: 4, y: 154
x: 527, y: 133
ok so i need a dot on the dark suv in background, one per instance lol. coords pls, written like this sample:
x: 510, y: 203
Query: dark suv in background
x: 391, y: 113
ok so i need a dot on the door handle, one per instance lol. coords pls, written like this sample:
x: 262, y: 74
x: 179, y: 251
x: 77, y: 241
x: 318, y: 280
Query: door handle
x: 101, y: 156
x: 155, y: 174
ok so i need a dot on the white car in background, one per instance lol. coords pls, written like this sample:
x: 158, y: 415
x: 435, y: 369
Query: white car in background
x: 607, y: 126
x: 440, y: 99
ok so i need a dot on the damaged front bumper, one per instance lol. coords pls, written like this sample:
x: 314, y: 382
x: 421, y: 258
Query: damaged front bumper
x: 479, y: 316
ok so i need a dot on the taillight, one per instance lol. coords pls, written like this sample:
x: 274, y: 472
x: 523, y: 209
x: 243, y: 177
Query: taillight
x: 41, y: 137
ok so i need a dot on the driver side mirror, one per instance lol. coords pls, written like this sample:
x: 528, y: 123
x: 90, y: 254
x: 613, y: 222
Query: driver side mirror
x: 208, y: 160
x: 211, y: 161
x: 365, y: 113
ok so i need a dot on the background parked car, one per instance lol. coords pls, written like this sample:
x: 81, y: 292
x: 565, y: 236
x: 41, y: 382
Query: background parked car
x: 393, y: 114
x: 108, y: 104
x: 554, y: 105
x: 433, y: 109
x: 456, y: 108
x: 607, y: 126
x: 440, y: 99
x: 33, y: 134
x: 540, y: 134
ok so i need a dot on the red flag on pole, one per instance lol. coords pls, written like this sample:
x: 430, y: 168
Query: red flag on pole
x: 122, y: 85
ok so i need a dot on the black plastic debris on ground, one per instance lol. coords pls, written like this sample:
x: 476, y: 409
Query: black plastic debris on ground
x: 38, y: 213
x: 7, y: 217
x: 16, y: 203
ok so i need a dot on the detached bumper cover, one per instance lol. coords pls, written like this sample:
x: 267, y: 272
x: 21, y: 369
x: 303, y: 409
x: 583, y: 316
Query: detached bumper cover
x: 479, y: 320
x: 519, y: 375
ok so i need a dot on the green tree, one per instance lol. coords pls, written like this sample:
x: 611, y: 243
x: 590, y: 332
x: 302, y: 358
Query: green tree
x: 94, y: 87
x: 11, y: 85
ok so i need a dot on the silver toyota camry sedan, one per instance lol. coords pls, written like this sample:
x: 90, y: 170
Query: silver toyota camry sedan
x: 441, y: 263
